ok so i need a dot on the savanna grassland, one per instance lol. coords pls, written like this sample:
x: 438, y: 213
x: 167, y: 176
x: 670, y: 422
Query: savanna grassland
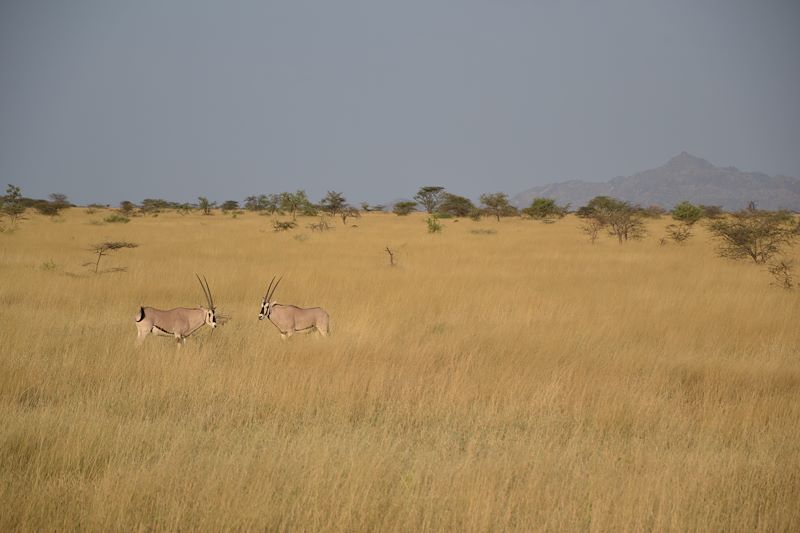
x: 520, y: 380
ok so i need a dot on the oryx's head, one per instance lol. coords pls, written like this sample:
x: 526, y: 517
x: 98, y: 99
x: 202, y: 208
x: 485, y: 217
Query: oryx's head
x: 266, y: 306
x: 211, y: 310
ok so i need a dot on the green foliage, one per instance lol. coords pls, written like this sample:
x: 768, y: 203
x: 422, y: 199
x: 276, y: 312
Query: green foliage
x: 229, y: 205
x: 679, y: 233
x: 687, y: 213
x: 205, y: 205
x: 712, y: 211
x: 104, y: 248
x: 545, y: 209
x: 269, y: 203
x: 115, y: 218
x: 296, y: 202
x: 126, y: 207
x: 52, y: 208
x: 12, y: 204
x: 280, y: 225
x: 152, y: 206
x: 333, y: 203
x: 47, y: 209
x: 433, y: 224
x: 754, y: 234
x: 454, y: 205
x: 620, y: 218
x: 600, y: 203
x: 496, y: 204
x: 430, y: 198
x: 403, y: 208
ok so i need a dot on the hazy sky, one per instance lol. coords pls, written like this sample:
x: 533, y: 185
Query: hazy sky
x: 111, y: 100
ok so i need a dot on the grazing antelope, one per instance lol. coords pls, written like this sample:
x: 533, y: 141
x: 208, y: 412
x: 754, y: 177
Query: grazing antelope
x: 179, y: 322
x: 290, y: 319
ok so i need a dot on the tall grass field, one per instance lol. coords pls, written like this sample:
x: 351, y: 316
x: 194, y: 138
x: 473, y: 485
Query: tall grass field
x: 501, y: 376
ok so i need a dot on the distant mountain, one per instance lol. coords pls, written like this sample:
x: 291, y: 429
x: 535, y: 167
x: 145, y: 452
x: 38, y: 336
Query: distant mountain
x: 684, y: 177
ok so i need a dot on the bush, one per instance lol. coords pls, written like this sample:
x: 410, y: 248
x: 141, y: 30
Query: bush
x: 687, y: 213
x: 754, y: 234
x: 545, y: 209
x: 433, y: 224
x: 279, y: 225
x: 117, y: 219
x: 679, y: 232
x: 403, y: 208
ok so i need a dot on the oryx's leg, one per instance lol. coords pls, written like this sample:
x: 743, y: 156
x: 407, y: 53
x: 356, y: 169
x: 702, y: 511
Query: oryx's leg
x: 141, y: 333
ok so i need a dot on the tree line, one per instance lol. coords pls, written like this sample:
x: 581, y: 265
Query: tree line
x: 751, y: 233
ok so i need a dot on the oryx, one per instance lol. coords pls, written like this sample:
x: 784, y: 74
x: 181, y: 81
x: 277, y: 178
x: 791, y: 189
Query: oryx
x: 179, y: 322
x: 290, y: 319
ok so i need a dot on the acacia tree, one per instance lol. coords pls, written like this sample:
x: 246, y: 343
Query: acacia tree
x: 205, y: 205
x: 334, y: 203
x: 229, y: 205
x: 12, y: 204
x: 263, y: 202
x: 349, y: 211
x: 754, y: 234
x: 622, y: 219
x: 403, y: 208
x: 126, y: 207
x: 294, y: 202
x: 430, y: 197
x: 455, y: 205
x: 545, y: 209
x: 496, y: 204
x: 104, y: 248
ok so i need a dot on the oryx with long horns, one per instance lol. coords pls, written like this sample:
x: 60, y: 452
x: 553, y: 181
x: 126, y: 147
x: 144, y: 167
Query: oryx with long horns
x: 290, y: 319
x: 179, y: 322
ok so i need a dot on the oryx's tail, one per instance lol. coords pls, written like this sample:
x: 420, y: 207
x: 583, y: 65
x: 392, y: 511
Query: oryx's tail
x: 140, y: 315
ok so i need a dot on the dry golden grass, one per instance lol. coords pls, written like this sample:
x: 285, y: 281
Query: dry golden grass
x: 524, y: 380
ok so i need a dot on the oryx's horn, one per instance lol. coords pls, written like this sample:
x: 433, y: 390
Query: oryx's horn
x: 274, y: 288
x: 266, y: 295
x: 206, y: 291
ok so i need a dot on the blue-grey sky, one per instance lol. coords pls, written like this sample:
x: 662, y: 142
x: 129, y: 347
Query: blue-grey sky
x: 111, y: 100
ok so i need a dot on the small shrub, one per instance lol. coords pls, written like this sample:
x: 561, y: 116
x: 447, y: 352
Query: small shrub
x: 433, y: 224
x: 592, y: 228
x: 48, y: 265
x: 280, y: 225
x: 782, y: 272
x: 679, y: 232
x: 117, y: 219
x: 687, y: 213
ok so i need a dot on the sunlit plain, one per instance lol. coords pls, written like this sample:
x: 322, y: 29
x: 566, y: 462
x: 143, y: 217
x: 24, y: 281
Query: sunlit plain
x: 522, y: 379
